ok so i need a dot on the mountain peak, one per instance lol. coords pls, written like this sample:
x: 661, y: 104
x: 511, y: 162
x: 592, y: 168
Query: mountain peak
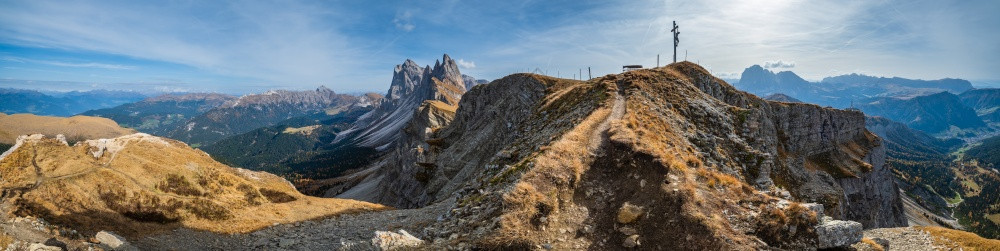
x: 411, y: 87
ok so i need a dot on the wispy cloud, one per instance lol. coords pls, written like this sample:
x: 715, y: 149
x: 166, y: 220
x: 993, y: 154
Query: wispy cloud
x: 69, y: 64
x: 779, y: 64
x: 404, y: 21
x: 274, y: 41
x: 465, y: 64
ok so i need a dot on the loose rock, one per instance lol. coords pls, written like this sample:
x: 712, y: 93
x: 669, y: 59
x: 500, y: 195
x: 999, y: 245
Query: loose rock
x: 631, y: 241
x: 385, y: 240
x: 629, y: 213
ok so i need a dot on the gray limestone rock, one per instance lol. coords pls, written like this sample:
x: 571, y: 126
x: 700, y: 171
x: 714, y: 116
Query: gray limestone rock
x: 837, y: 233
x: 401, y: 239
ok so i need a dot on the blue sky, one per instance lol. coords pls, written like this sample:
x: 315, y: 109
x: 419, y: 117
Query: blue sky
x: 351, y: 46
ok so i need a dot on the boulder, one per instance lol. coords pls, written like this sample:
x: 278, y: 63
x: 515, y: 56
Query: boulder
x: 631, y: 241
x: 837, y: 233
x: 629, y: 213
x: 113, y: 241
x: 42, y: 247
x: 401, y: 239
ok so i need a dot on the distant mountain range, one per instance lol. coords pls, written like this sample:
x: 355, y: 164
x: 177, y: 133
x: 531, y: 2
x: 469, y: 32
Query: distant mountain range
x: 986, y: 103
x: 949, y: 107
x: 932, y: 113
x: 62, y: 104
x: 159, y: 115
x: 261, y: 110
x: 842, y: 91
x: 782, y: 98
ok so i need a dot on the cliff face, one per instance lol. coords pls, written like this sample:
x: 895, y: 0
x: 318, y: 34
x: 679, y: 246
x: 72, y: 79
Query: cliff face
x: 813, y: 147
x: 607, y: 162
x: 411, y: 86
x: 419, y: 102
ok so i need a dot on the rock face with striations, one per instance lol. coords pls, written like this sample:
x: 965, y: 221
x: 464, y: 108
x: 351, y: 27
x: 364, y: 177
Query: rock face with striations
x: 419, y: 102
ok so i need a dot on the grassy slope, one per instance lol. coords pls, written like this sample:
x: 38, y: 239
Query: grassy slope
x: 152, y: 185
x: 74, y: 128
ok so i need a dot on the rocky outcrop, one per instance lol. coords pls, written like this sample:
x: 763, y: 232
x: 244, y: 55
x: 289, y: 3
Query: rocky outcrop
x: 835, y: 233
x: 819, y: 154
x: 400, y: 240
x: 419, y: 102
x: 411, y: 86
x: 873, y: 198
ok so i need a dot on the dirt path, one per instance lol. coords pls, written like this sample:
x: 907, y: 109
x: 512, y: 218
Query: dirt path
x: 345, y: 232
x: 617, y: 111
x: 904, y: 238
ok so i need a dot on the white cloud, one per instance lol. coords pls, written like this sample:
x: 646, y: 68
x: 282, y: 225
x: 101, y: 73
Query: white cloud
x: 69, y: 64
x: 404, y: 21
x: 281, y: 42
x: 465, y: 64
x: 779, y: 64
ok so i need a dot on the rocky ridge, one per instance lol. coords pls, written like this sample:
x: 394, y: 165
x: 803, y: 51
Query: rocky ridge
x: 419, y: 102
x: 542, y: 162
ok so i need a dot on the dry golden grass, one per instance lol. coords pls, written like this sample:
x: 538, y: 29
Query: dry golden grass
x: 960, y: 239
x: 152, y: 185
x: 5, y: 240
x: 74, y: 128
x: 556, y: 169
x: 443, y: 106
x: 773, y: 223
x: 871, y: 243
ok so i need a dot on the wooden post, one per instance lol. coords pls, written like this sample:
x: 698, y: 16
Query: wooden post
x: 677, y: 40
